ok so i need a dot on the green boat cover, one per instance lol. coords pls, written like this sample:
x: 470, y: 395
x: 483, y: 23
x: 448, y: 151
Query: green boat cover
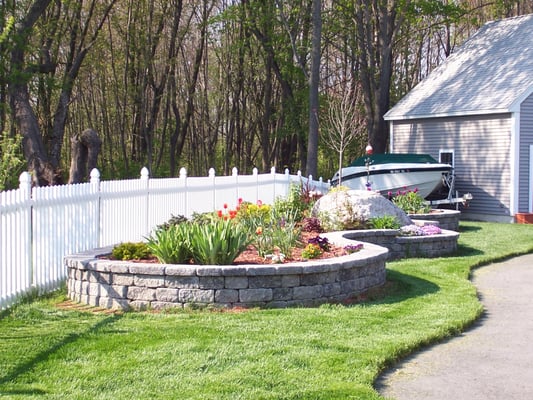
x: 394, y: 158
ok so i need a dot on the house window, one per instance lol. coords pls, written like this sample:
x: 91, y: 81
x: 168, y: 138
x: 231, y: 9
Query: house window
x: 447, y: 157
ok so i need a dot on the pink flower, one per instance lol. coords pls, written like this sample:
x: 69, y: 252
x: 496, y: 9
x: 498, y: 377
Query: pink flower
x: 259, y: 203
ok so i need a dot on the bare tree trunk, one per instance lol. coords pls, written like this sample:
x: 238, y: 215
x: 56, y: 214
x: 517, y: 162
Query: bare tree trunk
x: 32, y: 142
x: 314, y: 77
x: 85, y: 149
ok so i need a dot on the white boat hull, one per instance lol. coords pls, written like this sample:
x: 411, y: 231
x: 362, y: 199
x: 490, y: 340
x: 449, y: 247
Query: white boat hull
x: 389, y: 179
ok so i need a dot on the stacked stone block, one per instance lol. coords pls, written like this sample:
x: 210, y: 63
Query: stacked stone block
x: 129, y: 285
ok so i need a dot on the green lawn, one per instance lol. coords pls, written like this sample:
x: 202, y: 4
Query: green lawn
x: 330, y: 352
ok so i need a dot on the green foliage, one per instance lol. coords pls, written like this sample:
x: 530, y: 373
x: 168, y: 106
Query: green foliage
x: 384, y: 222
x: 11, y: 161
x: 311, y: 251
x: 271, y: 227
x: 217, y: 243
x: 411, y: 202
x: 171, y: 245
x: 174, y: 220
x: 299, y: 201
x: 131, y: 251
x: 285, y: 232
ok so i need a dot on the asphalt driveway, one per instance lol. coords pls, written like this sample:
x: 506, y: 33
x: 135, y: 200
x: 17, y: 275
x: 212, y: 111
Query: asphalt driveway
x: 492, y: 360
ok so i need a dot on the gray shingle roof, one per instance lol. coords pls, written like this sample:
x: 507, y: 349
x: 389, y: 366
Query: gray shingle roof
x: 489, y: 73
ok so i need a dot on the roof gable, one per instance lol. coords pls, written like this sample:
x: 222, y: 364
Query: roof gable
x: 487, y: 74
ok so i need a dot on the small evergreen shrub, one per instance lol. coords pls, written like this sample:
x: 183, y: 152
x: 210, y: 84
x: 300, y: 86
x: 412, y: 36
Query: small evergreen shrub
x: 131, y: 251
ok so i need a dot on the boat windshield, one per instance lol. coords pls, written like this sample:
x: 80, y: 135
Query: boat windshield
x: 394, y: 158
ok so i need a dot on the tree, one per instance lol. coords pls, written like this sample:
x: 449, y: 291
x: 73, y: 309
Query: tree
x: 343, y: 121
x: 314, y: 79
x: 42, y: 144
x: 85, y: 151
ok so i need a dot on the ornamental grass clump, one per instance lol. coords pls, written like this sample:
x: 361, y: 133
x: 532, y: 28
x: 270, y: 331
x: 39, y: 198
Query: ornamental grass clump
x: 171, y: 244
x: 217, y: 243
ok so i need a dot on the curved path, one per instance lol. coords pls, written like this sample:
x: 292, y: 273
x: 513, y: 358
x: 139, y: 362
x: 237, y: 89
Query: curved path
x: 492, y: 360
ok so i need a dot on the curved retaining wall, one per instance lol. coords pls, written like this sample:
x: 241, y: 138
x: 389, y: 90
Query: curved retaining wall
x: 408, y: 246
x: 127, y: 285
x: 446, y: 219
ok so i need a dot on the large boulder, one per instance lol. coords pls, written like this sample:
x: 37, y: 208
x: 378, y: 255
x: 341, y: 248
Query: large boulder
x: 352, y: 209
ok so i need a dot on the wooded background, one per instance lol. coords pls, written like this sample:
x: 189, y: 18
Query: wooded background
x: 214, y: 83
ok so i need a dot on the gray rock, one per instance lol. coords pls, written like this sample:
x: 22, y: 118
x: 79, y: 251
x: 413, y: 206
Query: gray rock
x: 351, y: 209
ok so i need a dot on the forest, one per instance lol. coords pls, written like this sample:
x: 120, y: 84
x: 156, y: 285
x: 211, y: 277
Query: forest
x: 166, y: 84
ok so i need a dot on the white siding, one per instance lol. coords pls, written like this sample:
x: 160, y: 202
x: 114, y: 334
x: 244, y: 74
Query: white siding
x: 482, y: 148
x: 526, y: 139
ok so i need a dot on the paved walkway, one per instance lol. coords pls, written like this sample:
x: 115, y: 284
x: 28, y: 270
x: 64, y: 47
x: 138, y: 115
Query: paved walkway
x: 492, y: 360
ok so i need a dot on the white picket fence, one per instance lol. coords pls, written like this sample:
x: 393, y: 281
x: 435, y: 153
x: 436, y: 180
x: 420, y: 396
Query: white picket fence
x: 39, y: 226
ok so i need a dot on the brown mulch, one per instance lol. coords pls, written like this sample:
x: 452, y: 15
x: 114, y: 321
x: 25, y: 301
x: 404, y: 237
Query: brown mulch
x: 250, y: 255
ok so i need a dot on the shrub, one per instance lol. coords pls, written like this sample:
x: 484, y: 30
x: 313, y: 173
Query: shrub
x: 384, y: 222
x: 174, y: 220
x: 171, y: 245
x: 411, y: 202
x: 131, y: 251
x: 311, y: 224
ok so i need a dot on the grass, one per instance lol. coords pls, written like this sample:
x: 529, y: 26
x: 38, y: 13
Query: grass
x: 329, y: 352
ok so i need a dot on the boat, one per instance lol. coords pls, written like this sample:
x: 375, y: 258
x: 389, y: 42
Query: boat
x: 394, y: 172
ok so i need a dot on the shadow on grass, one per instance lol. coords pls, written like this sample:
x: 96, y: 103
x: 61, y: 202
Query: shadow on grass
x: 397, y: 288
x: 45, y: 355
x: 467, y: 251
x: 469, y: 228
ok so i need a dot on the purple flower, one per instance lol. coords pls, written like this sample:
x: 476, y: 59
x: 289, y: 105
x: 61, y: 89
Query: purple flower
x: 352, y: 248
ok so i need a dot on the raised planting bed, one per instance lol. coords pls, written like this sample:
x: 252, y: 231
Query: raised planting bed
x: 132, y: 285
x: 446, y: 219
x: 408, y: 246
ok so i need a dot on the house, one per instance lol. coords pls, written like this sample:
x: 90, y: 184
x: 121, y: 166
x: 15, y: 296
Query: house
x: 475, y: 111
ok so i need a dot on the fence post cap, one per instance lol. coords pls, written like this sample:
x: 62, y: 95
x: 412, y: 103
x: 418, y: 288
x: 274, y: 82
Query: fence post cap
x: 24, y: 177
x: 145, y: 174
x: 183, y: 172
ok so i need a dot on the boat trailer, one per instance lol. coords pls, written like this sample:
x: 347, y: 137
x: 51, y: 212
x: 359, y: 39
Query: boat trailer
x: 452, y: 195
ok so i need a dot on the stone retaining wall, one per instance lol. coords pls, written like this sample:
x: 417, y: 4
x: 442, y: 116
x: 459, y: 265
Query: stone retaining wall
x: 128, y: 285
x: 408, y: 246
x: 446, y: 219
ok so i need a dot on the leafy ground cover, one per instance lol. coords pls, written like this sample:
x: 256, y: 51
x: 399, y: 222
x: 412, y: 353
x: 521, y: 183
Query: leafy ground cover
x: 329, y: 352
